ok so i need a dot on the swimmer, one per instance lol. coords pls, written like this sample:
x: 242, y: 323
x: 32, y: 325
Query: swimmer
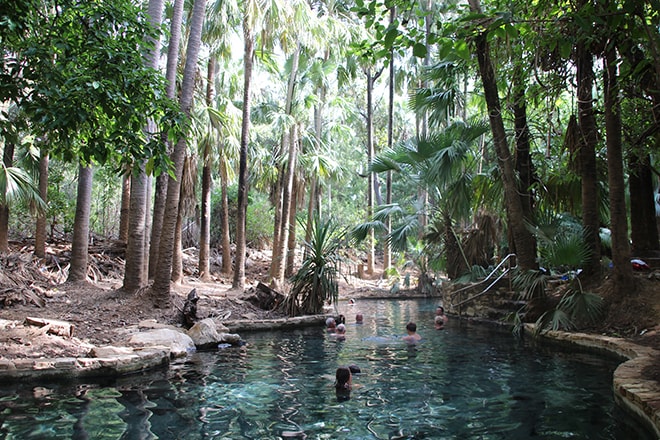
x: 412, y: 337
x: 440, y: 318
x: 330, y: 324
x: 343, y: 383
x: 359, y: 319
x: 340, y: 334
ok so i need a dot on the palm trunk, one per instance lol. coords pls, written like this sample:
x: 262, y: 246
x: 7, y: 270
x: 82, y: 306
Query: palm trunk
x: 587, y: 158
x: 134, y: 275
x: 160, y: 194
x: 177, y: 252
x: 226, y: 238
x: 125, y: 209
x: 277, y: 221
x: 161, y: 286
x: 286, y: 204
x: 622, y: 272
x: 643, y: 228
x: 80, y: 241
x: 291, y: 246
x: 387, y: 249
x: 205, y: 223
x: 248, y: 59
x: 371, y: 253
x: 40, y: 231
x: 7, y: 159
x: 524, y: 165
x: 523, y: 239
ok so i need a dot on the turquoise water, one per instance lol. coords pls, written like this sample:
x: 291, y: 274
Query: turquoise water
x: 463, y: 382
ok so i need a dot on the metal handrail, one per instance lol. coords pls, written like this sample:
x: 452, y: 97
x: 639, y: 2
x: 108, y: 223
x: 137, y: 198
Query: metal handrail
x: 484, y: 280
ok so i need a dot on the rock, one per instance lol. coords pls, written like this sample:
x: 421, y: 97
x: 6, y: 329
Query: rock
x: 109, y: 351
x: 179, y: 343
x: 205, y: 335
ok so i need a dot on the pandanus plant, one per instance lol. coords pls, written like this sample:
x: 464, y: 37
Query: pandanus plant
x: 316, y: 280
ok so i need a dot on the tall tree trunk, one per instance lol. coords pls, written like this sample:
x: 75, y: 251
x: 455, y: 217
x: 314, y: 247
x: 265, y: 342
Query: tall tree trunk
x: 643, y: 227
x: 7, y: 160
x: 125, y: 209
x: 205, y: 223
x: 524, y: 165
x: 135, y: 274
x: 387, y: 248
x: 523, y: 239
x: 177, y: 252
x: 40, y: 232
x: 248, y: 59
x: 224, y: 218
x: 161, y: 286
x: 80, y: 241
x: 286, y: 203
x: 283, y: 197
x: 160, y: 194
x: 622, y: 272
x: 587, y: 158
x: 291, y: 246
x: 277, y: 197
x: 371, y: 239
x: 185, y: 210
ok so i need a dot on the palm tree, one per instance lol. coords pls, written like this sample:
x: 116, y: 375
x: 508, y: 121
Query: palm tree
x: 40, y: 229
x: 622, y: 271
x: 135, y: 273
x: 80, y: 241
x: 248, y: 61
x: 523, y: 240
x: 161, y: 286
x: 160, y: 195
x: 15, y: 185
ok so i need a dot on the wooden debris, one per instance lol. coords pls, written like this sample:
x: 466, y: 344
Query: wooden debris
x: 52, y: 326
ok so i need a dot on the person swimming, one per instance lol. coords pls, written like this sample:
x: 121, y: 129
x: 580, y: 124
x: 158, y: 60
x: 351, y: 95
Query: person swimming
x: 440, y: 318
x: 343, y: 383
x: 340, y: 333
x: 412, y: 337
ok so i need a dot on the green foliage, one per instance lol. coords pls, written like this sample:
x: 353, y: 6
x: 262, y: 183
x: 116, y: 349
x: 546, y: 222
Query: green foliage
x: 575, y: 307
x: 78, y: 73
x: 258, y: 222
x: 561, y: 241
x: 316, y: 280
x: 475, y: 273
x: 530, y: 284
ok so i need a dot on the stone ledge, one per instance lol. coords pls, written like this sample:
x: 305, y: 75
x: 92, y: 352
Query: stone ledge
x: 243, y: 325
x: 640, y: 398
x: 60, y: 368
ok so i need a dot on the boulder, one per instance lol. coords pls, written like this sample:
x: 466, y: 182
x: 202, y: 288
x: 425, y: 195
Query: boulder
x: 179, y: 343
x: 205, y: 335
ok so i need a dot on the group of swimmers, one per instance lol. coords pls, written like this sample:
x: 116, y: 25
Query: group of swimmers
x: 337, y: 327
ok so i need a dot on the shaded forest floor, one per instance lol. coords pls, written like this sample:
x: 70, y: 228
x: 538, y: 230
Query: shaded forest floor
x: 31, y: 287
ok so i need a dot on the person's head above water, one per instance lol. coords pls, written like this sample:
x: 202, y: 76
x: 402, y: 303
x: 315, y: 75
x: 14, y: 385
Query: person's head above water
x: 330, y: 323
x: 359, y: 318
x: 343, y: 379
x: 411, y: 327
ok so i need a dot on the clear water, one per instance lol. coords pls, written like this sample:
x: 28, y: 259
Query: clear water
x: 463, y: 382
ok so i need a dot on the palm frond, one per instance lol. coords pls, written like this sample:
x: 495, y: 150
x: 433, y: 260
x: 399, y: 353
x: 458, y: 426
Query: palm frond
x: 554, y: 319
x: 17, y: 185
x: 361, y: 231
x: 530, y: 284
x: 581, y: 306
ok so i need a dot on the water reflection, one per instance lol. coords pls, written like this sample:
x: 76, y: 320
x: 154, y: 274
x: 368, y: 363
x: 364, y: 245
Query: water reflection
x: 462, y: 382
